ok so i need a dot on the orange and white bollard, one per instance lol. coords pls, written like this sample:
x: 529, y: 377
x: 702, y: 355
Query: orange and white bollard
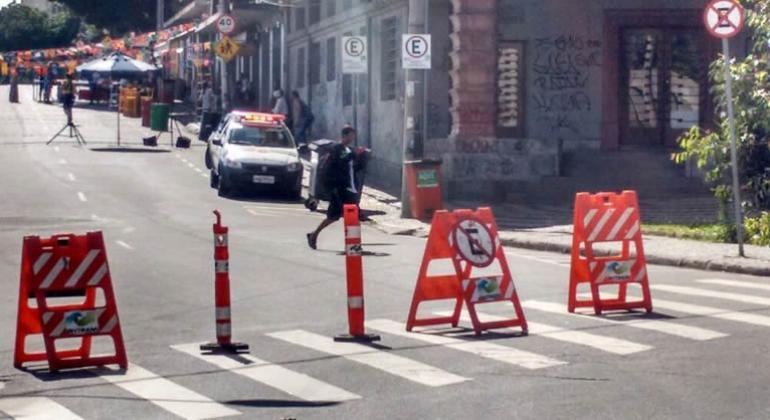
x: 222, y: 294
x: 355, y: 278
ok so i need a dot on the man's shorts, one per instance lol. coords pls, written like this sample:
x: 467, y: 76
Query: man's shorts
x: 337, y: 200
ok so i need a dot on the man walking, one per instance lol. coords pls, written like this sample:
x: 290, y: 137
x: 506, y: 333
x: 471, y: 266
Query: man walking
x: 208, y: 111
x: 339, y: 182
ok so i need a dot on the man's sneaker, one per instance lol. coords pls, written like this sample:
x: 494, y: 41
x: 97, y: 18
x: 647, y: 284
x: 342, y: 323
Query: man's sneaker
x: 311, y: 240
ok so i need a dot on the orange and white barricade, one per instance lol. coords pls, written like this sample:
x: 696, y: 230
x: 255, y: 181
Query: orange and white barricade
x: 67, y: 266
x: 608, y: 218
x: 469, y: 241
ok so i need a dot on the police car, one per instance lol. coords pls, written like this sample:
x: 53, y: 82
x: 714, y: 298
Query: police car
x: 254, y: 151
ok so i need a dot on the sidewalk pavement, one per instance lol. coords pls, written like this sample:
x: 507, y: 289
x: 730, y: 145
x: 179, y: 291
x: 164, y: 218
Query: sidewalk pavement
x: 384, y: 211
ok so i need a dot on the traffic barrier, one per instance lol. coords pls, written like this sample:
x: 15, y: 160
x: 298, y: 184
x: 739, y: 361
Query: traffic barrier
x: 355, y: 278
x: 222, y: 315
x: 469, y: 239
x: 67, y: 266
x: 608, y: 218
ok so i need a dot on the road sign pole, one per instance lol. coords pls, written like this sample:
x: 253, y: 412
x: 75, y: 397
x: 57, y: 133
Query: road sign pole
x: 733, y: 147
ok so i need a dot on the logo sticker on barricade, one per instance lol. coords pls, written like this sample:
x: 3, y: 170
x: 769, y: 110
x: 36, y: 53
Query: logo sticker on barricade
x: 470, y: 241
x: 608, y: 218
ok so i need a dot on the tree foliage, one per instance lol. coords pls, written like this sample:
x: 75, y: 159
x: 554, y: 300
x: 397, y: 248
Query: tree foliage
x: 24, y: 28
x: 121, y: 16
x: 710, y: 149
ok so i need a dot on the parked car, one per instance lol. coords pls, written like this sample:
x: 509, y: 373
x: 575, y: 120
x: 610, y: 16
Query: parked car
x: 254, y: 151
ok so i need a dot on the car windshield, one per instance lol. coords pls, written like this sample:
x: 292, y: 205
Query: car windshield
x: 260, y: 136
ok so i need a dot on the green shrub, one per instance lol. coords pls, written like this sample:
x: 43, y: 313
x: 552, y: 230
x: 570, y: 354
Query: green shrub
x: 758, y: 229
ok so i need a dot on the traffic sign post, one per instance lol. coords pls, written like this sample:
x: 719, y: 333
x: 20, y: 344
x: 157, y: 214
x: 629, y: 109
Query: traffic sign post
x: 226, y: 24
x: 725, y: 19
x: 227, y: 49
x: 415, y: 51
x: 355, y: 61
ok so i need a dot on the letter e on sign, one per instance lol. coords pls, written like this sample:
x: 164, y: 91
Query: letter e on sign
x: 415, y: 51
x: 354, y: 55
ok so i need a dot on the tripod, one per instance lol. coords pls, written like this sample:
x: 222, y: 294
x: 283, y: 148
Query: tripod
x: 74, y: 132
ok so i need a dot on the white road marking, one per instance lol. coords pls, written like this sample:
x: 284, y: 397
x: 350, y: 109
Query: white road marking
x: 297, y: 384
x: 481, y: 348
x: 665, y: 327
x: 82, y: 197
x: 205, y: 175
x: 372, y: 357
x: 533, y: 258
x: 168, y: 395
x: 184, y: 160
x: 198, y: 170
x: 35, y: 408
x: 62, y: 161
x: 599, y: 342
x: 124, y: 245
x: 190, y: 165
x: 711, y: 312
x: 694, y: 291
x: 56, y: 148
x: 739, y: 284
x: 71, y: 176
x: 128, y: 229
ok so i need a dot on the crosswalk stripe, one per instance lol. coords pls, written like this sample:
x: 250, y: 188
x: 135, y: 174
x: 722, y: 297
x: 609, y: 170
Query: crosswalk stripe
x: 168, y: 395
x: 297, y: 384
x: 35, y: 408
x: 665, y: 327
x: 480, y: 348
x: 735, y: 283
x: 694, y: 291
x: 372, y: 357
x: 599, y: 342
x: 711, y: 312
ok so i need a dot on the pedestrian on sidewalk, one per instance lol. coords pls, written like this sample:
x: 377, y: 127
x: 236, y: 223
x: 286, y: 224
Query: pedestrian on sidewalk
x: 280, y: 106
x: 339, y: 181
x: 208, y: 110
x: 13, y: 95
x: 302, y: 118
x: 68, y: 97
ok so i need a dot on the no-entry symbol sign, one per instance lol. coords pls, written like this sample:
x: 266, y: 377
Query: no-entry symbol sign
x: 354, y: 54
x: 416, y: 51
x: 724, y: 18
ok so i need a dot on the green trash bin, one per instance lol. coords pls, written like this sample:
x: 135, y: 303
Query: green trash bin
x: 159, y: 117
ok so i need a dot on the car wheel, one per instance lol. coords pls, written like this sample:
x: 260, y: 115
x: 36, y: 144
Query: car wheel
x: 213, y: 179
x: 207, y: 159
x: 295, y: 195
x: 223, y: 185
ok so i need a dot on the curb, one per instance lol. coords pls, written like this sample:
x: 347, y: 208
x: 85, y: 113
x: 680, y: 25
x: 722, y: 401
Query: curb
x: 651, y: 259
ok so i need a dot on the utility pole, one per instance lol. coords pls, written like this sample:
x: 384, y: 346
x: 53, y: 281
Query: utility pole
x: 224, y: 7
x: 159, y: 14
x: 413, y: 105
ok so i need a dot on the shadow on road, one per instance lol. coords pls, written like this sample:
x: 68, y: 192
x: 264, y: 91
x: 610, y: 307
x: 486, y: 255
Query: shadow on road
x: 266, y: 403
x: 127, y: 149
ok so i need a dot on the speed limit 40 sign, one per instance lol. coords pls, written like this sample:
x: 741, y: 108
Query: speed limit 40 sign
x: 226, y: 24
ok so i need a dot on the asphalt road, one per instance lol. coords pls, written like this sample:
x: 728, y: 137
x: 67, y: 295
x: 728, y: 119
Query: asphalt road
x: 702, y: 354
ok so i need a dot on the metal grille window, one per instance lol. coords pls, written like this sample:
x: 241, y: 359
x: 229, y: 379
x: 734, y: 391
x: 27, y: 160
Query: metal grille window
x: 389, y: 58
x: 331, y: 8
x: 299, y: 18
x: 314, y: 14
x: 331, y: 59
x: 314, y: 65
x: 510, y: 77
x: 300, y: 82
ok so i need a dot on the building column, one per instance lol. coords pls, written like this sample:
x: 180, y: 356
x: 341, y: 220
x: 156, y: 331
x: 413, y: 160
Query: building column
x: 474, y: 64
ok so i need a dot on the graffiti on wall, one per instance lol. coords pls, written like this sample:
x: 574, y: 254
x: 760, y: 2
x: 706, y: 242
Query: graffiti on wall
x: 562, y: 68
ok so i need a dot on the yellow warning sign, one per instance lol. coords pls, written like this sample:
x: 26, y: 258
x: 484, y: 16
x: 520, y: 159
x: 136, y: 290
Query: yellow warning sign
x: 227, y: 49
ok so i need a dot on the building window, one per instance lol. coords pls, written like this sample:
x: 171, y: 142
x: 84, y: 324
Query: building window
x: 389, y: 58
x: 300, y: 82
x: 510, y: 80
x: 315, y: 12
x: 314, y: 66
x: 331, y: 8
x: 299, y: 18
x: 331, y: 59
